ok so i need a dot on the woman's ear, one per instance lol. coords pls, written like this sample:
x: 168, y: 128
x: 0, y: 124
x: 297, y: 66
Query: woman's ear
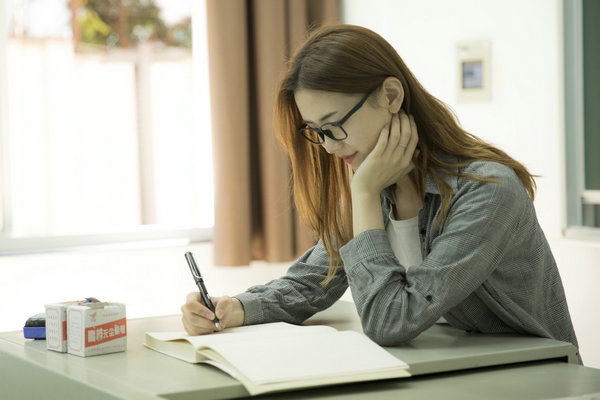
x: 392, y: 94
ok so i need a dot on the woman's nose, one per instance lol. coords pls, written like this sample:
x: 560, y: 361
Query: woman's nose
x: 331, y: 146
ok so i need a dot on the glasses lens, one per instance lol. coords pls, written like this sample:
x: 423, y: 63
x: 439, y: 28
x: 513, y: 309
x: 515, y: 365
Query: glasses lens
x: 312, y: 135
x: 334, y: 132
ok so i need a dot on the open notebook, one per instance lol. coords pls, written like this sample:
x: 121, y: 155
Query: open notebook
x: 280, y: 356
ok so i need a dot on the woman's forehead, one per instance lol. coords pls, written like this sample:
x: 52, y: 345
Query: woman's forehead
x: 317, y: 106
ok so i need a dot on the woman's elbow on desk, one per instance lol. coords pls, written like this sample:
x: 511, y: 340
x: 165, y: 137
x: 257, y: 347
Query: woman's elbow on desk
x: 386, y: 332
x: 389, y: 338
x: 392, y: 317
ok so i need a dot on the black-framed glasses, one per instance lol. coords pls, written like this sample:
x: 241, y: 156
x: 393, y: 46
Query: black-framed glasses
x: 332, y: 130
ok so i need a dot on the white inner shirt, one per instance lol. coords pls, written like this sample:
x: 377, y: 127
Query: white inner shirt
x: 404, y: 239
x: 406, y: 244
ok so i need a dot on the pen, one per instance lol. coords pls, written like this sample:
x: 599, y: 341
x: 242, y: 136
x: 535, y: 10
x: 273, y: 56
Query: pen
x: 200, y: 283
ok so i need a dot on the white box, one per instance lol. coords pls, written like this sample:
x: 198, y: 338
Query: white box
x: 56, y: 326
x: 96, y: 328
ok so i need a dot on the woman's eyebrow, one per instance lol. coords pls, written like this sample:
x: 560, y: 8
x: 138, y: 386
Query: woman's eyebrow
x: 324, y: 117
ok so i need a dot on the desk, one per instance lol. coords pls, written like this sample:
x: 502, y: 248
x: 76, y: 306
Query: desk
x: 528, y: 367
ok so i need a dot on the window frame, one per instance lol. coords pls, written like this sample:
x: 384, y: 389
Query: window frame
x: 575, y: 192
x: 10, y: 244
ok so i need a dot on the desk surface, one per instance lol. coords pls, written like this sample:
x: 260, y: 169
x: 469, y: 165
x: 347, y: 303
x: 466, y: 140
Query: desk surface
x: 443, y: 348
x: 27, y: 368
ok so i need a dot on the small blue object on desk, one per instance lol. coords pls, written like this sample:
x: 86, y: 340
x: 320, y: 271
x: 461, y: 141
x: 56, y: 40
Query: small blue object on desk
x: 35, y: 327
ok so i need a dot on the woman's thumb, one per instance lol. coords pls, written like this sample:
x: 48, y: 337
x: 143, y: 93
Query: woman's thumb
x: 221, y: 304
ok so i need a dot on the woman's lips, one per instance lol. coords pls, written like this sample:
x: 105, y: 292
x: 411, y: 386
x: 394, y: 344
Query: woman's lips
x: 349, y: 159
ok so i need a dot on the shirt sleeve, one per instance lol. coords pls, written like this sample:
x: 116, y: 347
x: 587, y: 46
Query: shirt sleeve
x: 394, y: 304
x: 296, y: 296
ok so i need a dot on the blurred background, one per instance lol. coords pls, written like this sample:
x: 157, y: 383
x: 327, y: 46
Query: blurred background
x: 101, y: 133
x: 121, y: 145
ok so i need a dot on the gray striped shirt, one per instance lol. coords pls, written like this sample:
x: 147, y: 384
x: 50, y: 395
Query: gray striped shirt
x: 488, y: 268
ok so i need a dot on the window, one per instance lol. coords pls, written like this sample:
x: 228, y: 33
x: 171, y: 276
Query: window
x: 582, y: 121
x: 105, y: 132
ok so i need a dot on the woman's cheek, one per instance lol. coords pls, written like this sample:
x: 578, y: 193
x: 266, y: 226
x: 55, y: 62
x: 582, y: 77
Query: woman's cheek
x: 373, y: 138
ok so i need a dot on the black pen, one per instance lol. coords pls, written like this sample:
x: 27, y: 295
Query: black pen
x: 200, y: 283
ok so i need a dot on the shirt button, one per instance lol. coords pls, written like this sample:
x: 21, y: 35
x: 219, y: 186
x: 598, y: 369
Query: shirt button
x: 428, y: 297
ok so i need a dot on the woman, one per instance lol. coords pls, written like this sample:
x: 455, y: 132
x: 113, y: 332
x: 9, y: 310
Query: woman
x: 421, y: 219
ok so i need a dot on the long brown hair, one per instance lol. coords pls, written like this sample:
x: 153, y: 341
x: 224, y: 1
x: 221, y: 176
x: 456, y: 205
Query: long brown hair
x: 351, y: 59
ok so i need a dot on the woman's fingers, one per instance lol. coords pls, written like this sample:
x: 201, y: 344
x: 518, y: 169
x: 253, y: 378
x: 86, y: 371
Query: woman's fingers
x: 193, y: 296
x: 382, y: 141
x: 222, y: 306
x: 405, y: 129
x: 196, y: 325
x: 196, y: 317
x: 414, y: 136
x: 395, y: 132
x: 196, y: 306
x: 199, y: 320
x: 401, y: 133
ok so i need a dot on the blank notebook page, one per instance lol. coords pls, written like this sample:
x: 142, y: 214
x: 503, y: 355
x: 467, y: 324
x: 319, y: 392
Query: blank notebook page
x: 306, y: 356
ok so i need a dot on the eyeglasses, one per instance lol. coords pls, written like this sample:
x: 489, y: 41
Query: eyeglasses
x: 332, y: 130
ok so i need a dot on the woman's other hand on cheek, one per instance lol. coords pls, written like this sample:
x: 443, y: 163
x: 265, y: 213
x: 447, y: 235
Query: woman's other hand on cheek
x: 391, y: 158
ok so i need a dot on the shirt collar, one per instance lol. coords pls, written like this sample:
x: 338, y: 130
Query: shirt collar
x: 430, y: 185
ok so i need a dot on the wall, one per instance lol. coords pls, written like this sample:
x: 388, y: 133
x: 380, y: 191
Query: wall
x: 525, y: 116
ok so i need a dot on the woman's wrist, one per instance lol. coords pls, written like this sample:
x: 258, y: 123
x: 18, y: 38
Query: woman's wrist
x: 363, y: 188
x: 366, y: 211
x: 237, y: 313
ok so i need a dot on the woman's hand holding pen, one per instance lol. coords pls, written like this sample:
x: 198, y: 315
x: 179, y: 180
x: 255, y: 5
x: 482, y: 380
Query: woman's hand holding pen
x: 198, y: 319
